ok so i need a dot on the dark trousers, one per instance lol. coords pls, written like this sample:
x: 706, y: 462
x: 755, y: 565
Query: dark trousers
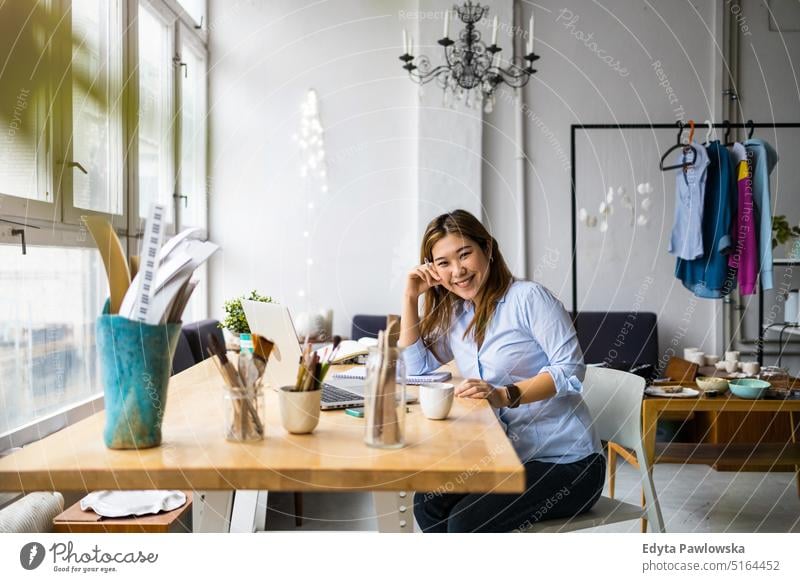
x: 552, y: 491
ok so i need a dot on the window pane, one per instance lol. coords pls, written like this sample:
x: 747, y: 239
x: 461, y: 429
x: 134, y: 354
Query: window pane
x: 97, y: 105
x: 49, y: 300
x: 155, y: 113
x: 197, y: 307
x: 193, y: 138
x: 195, y: 8
x: 23, y: 98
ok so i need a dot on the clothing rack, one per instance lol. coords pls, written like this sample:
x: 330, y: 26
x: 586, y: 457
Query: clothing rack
x: 575, y: 127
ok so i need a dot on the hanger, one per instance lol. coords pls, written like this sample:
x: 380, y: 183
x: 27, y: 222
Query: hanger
x: 685, y: 148
x: 728, y: 142
x: 750, y: 128
x: 709, y: 132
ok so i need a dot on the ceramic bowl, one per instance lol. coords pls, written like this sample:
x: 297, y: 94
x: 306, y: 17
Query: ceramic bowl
x: 749, y: 388
x: 711, y: 383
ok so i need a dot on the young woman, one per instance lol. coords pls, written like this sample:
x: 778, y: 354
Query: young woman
x: 514, y: 343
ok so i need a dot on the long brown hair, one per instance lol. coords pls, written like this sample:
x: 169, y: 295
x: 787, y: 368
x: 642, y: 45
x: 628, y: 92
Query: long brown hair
x: 439, y: 304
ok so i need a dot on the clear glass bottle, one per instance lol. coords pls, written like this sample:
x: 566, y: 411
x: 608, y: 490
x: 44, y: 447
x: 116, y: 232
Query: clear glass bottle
x: 244, y: 414
x: 385, y: 399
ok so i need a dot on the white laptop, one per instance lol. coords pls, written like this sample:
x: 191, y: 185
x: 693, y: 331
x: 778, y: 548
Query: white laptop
x: 274, y: 322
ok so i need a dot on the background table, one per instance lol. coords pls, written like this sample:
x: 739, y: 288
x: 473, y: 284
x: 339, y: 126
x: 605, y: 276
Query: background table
x: 762, y: 454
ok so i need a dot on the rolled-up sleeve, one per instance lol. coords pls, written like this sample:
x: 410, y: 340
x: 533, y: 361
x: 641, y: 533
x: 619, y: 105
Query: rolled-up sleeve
x: 553, y: 331
x: 420, y: 360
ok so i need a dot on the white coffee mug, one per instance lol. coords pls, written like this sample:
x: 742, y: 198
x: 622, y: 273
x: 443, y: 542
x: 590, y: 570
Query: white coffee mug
x: 436, y: 399
x: 731, y: 356
x: 698, y: 358
x: 687, y: 352
x: 751, y: 368
x: 731, y: 366
x: 712, y: 360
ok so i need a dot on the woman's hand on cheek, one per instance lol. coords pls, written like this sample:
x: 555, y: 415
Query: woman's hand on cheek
x: 421, y: 278
x: 474, y: 388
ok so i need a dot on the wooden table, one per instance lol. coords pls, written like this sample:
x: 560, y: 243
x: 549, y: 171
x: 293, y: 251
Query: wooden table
x: 757, y: 454
x: 469, y: 452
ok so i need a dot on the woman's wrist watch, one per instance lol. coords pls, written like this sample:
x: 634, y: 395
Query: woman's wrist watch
x: 514, y: 395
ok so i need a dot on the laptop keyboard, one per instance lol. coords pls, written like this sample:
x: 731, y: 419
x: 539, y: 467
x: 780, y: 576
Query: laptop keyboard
x: 332, y: 394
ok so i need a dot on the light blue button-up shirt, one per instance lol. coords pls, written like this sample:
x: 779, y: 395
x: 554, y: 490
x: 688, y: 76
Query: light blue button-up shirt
x: 530, y: 332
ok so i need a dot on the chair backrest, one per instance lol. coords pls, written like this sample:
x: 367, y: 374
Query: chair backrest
x: 633, y: 335
x: 197, y: 335
x: 183, y: 357
x: 614, y: 399
x: 367, y: 326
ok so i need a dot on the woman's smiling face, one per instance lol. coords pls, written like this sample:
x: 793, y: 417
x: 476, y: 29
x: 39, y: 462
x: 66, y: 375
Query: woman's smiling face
x: 462, y: 264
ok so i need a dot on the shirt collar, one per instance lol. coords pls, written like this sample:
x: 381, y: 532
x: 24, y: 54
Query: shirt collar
x: 469, y: 306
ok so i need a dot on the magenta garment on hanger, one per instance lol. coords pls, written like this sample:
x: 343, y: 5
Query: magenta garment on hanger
x: 744, y: 257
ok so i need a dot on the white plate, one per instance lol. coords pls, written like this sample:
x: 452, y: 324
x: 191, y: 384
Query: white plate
x: 685, y: 393
x: 122, y: 503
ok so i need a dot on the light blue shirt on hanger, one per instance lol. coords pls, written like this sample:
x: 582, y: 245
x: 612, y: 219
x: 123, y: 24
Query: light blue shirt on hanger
x: 530, y: 333
x: 686, y: 241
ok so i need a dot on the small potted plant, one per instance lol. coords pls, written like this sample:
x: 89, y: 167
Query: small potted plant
x: 235, y: 321
x: 783, y: 233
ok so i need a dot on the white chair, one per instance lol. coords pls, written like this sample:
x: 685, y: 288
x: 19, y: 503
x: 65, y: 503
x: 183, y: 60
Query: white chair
x: 615, y: 401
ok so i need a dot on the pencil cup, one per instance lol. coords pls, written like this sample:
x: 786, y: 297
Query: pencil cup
x: 135, y: 364
x: 299, y: 409
x: 385, y: 399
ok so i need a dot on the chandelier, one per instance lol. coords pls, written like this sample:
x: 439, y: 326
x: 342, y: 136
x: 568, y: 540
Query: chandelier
x: 472, y: 70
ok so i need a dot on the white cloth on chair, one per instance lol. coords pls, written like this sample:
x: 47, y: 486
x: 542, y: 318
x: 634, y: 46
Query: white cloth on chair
x: 122, y: 503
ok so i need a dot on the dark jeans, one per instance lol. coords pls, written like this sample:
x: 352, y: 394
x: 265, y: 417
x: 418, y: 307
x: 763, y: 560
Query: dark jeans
x: 552, y: 491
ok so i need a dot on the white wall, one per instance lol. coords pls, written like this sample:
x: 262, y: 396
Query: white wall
x: 263, y: 58
x: 348, y: 53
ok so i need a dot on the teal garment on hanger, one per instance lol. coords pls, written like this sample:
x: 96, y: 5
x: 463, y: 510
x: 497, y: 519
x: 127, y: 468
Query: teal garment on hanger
x: 706, y: 276
x: 762, y: 161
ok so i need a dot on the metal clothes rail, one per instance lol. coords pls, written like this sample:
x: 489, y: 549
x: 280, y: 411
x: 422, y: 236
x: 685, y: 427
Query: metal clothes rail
x: 574, y: 128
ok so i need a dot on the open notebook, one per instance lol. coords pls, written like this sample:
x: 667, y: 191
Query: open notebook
x: 360, y: 373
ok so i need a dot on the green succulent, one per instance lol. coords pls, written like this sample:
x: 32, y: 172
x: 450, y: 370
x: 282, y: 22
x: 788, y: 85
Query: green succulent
x: 782, y: 232
x: 235, y: 320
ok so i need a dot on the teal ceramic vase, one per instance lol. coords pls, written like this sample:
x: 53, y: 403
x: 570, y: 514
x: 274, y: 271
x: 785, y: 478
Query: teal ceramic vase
x: 135, y: 364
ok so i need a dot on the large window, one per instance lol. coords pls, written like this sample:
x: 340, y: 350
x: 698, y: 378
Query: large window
x: 97, y: 116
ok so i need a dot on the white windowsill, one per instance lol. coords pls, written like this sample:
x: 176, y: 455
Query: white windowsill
x: 41, y: 427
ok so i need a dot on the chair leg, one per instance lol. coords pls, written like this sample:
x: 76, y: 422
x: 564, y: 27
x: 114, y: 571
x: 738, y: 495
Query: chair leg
x: 794, y: 427
x: 644, y: 520
x: 298, y: 509
x: 612, y: 469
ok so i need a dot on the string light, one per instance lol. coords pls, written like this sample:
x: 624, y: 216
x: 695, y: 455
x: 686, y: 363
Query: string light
x: 310, y: 138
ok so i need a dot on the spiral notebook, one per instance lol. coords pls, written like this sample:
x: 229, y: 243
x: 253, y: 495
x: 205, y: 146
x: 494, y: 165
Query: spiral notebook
x: 360, y: 373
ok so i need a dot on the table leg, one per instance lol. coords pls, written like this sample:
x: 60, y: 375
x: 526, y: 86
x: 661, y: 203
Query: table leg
x: 794, y: 427
x: 394, y: 510
x: 211, y: 511
x: 649, y: 425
